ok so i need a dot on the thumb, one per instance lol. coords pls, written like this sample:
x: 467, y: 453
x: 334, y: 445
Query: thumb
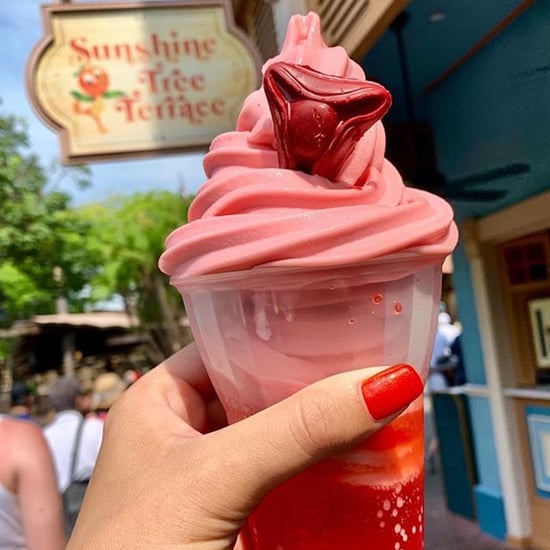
x: 330, y: 416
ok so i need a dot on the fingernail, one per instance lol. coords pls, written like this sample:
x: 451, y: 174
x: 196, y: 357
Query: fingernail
x: 391, y: 390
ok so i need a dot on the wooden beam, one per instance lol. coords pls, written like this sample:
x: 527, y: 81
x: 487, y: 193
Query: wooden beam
x: 243, y: 11
x: 479, y: 45
x: 355, y: 24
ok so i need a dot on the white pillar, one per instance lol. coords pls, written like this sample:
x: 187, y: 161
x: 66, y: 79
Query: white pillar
x: 491, y: 318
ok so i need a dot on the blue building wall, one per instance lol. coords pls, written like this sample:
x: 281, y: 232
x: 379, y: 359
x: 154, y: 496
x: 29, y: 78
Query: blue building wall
x: 487, y: 459
x: 471, y: 344
x: 495, y: 110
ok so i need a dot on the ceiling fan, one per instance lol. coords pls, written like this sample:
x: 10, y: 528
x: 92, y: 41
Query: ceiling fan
x: 424, y: 174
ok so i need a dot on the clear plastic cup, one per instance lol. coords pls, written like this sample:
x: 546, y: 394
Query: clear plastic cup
x: 265, y: 333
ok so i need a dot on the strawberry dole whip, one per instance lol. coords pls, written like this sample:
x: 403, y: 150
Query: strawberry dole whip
x: 305, y: 255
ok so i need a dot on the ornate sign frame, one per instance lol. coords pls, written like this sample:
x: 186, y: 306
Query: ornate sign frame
x: 118, y: 80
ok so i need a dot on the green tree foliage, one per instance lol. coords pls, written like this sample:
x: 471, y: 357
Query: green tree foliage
x: 128, y: 234
x: 100, y: 250
x: 39, y: 232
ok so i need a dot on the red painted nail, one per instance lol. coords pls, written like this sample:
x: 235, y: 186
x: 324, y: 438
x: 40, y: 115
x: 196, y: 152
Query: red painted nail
x: 391, y: 390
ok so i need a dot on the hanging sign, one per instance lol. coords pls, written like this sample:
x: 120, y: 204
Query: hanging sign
x: 119, y: 80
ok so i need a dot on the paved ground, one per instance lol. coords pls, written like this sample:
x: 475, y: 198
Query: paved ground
x: 447, y: 531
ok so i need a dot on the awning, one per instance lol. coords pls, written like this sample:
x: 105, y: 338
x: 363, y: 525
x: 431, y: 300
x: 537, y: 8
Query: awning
x: 95, y: 319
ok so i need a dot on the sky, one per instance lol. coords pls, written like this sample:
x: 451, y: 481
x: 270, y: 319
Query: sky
x: 20, y: 30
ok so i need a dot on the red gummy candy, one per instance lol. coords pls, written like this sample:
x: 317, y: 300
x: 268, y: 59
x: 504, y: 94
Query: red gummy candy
x: 318, y: 118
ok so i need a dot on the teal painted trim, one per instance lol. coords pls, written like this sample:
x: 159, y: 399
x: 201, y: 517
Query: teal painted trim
x: 452, y: 420
x: 490, y: 512
x: 471, y: 343
x: 484, y: 443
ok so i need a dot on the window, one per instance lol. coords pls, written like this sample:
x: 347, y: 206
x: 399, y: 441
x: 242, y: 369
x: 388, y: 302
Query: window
x: 526, y: 265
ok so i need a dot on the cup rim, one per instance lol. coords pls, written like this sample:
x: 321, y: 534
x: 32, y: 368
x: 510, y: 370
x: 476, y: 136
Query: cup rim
x: 406, y: 264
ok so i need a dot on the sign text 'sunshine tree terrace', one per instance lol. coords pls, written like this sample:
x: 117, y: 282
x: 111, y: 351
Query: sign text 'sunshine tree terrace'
x: 140, y: 79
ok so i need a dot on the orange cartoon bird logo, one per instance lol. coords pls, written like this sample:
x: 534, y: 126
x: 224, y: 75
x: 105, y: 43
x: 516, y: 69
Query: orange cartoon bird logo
x: 94, y: 81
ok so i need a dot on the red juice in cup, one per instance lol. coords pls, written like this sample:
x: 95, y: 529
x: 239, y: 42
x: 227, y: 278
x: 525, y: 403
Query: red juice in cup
x: 371, y: 498
x: 265, y: 334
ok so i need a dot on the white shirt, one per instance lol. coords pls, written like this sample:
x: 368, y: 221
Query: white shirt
x: 61, y: 437
x: 11, y: 525
x: 446, y: 334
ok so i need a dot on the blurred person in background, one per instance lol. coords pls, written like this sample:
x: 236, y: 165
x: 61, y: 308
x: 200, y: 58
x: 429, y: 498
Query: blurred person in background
x: 131, y: 376
x: 442, y: 366
x: 61, y: 434
x: 21, y: 401
x: 84, y: 399
x: 43, y: 411
x: 108, y: 387
x: 445, y: 336
x: 74, y: 441
x: 31, y: 515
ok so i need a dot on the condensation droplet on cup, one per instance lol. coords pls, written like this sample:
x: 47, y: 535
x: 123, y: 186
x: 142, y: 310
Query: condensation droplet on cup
x: 351, y: 322
x: 397, y: 307
x: 377, y: 298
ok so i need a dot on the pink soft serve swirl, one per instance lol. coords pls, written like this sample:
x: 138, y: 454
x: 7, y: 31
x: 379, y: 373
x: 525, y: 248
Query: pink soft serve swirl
x: 252, y: 213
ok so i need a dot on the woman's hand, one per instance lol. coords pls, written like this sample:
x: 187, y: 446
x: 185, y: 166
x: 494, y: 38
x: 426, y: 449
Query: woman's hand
x: 164, y: 479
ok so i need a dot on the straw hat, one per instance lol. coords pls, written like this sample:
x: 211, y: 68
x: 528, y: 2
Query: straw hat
x: 107, y: 388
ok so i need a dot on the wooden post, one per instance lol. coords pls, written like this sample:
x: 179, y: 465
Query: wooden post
x: 62, y: 307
